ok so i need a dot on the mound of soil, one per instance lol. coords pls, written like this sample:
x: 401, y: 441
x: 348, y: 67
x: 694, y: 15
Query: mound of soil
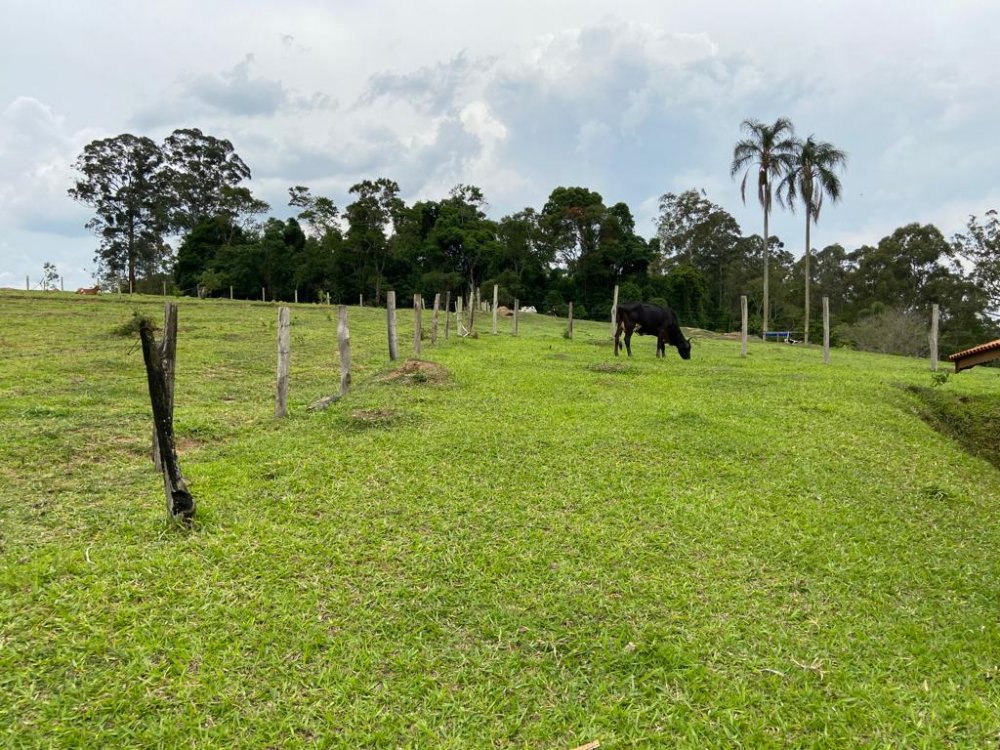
x: 415, y: 371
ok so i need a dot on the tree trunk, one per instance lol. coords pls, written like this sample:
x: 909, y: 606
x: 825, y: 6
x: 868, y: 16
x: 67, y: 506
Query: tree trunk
x: 766, y: 309
x: 806, y: 339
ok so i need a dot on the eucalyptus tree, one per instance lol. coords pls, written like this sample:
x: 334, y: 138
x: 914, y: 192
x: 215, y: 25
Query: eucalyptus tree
x: 770, y: 149
x: 811, y: 177
x: 203, y: 176
x: 375, y: 212
x: 122, y: 179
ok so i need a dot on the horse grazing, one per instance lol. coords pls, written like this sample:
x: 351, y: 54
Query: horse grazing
x: 88, y: 290
x: 650, y: 320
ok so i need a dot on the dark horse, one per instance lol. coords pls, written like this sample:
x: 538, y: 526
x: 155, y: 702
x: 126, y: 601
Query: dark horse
x: 650, y: 320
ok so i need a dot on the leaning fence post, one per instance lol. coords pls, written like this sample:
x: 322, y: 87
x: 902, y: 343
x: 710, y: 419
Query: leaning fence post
x: 390, y: 309
x: 569, y: 322
x: 180, y: 502
x: 495, y: 292
x: 168, y: 361
x: 472, y: 308
x: 284, y: 360
x: 614, y: 312
x: 417, y: 304
x: 434, y: 324
x: 344, y: 347
x: 826, y: 330
x: 934, y: 338
x: 515, y: 316
x: 743, y: 325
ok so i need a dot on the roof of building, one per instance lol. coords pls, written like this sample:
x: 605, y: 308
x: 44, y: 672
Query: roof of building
x: 975, y: 350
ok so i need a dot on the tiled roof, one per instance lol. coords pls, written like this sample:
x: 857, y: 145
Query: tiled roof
x: 975, y: 350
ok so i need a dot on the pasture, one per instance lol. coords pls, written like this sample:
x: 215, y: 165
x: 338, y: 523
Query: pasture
x: 532, y: 545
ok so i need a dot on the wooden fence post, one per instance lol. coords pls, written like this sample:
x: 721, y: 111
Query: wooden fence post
x: 447, y: 313
x: 459, y: 311
x: 496, y: 290
x: 417, y: 304
x: 934, y: 337
x: 284, y: 361
x: 263, y: 295
x: 344, y: 347
x: 390, y: 308
x: 168, y: 361
x: 614, y: 312
x: 164, y: 289
x: 296, y: 295
x: 472, y: 308
x: 515, y: 315
x: 180, y: 502
x: 826, y: 330
x: 434, y: 324
x: 743, y: 325
x: 27, y: 283
x: 361, y: 300
x: 569, y: 325
x: 230, y: 291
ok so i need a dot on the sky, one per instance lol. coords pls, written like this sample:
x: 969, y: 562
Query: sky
x: 632, y: 99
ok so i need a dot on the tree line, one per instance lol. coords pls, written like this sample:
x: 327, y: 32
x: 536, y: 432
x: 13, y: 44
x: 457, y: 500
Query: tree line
x: 575, y: 247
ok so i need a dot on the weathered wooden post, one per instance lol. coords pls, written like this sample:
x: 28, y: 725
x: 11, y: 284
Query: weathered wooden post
x: 296, y: 295
x: 230, y: 291
x: 284, y: 362
x: 361, y: 300
x: 472, y: 308
x: 743, y: 325
x: 390, y: 308
x: 826, y: 330
x: 459, y: 310
x: 168, y: 361
x: 516, y: 302
x: 263, y: 295
x: 164, y: 289
x: 344, y: 347
x: 569, y: 322
x: 62, y: 283
x: 434, y: 324
x: 934, y: 338
x: 496, y: 290
x: 27, y: 283
x: 447, y: 313
x: 614, y: 312
x: 417, y: 304
x: 180, y: 502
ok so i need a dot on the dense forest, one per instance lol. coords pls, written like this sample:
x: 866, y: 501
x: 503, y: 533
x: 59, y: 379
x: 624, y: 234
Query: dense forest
x: 191, y: 189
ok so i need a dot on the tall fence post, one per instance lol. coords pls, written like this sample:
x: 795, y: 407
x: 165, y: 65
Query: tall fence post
x: 230, y: 291
x: 344, y: 347
x: 263, y: 295
x: 27, y: 283
x: 459, y: 312
x: 390, y: 311
x: 496, y: 290
x: 417, y: 304
x: 296, y: 295
x: 516, y: 304
x: 614, y: 312
x: 284, y: 361
x: 447, y: 314
x: 62, y: 283
x: 826, y: 330
x: 434, y: 319
x: 569, y: 323
x: 743, y: 325
x: 180, y: 502
x: 472, y: 308
x: 934, y: 338
x: 168, y: 361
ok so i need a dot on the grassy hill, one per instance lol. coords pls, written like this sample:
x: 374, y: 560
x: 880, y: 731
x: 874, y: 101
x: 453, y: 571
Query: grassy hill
x: 532, y: 544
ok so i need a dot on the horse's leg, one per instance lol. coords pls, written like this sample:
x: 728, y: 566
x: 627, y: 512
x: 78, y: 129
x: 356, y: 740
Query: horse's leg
x: 618, y: 334
x: 628, y: 339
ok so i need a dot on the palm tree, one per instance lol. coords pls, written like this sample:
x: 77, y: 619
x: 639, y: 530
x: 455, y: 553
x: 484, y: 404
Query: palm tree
x: 811, y: 178
x: 770, y: 148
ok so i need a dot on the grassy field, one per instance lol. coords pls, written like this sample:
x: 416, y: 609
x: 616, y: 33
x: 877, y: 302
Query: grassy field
x: 534, y: 546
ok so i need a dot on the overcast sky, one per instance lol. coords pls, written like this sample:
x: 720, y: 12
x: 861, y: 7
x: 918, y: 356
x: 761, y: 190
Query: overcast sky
x: 632, y: 98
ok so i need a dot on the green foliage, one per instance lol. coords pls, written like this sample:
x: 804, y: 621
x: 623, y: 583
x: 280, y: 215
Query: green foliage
x: 130, y: 328
x: 727, y: 557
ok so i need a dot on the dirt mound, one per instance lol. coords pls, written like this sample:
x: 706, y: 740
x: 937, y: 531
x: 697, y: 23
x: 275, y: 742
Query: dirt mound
x: 415, y: 371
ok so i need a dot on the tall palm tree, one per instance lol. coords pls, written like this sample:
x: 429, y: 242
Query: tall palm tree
x: 811, y: 178
x: 770, y: 148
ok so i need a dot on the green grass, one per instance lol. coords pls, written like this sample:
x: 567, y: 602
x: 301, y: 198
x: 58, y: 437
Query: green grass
x: 547, y: 547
